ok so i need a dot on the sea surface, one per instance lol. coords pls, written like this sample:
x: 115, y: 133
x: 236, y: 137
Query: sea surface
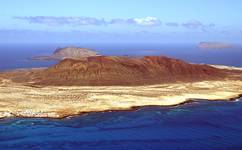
x: 14, y: 56
x: 199, y: 125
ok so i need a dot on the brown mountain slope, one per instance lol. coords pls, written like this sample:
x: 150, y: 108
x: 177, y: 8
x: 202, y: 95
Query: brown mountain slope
x: 112, y: 70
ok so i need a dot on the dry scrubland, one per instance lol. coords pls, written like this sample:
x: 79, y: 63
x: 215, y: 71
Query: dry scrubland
x: 19, y: 100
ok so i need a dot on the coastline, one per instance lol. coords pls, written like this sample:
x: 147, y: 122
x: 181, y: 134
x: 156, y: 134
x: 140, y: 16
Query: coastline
x: 120, y: 110
x: 63, y: 101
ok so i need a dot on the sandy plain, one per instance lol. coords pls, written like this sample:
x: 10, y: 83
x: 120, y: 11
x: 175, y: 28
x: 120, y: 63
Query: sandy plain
x: 19, y: 100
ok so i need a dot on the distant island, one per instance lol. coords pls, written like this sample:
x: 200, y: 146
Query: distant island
x: 214, y: 45
x: 106, y: 83
x: 68, y: 52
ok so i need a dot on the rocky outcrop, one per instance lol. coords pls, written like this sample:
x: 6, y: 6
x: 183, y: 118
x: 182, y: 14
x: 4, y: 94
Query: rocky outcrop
x: 68, y: 52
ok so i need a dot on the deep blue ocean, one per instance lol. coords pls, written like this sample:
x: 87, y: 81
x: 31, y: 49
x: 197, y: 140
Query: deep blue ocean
x: 199, y: 125
x: 14, y: 56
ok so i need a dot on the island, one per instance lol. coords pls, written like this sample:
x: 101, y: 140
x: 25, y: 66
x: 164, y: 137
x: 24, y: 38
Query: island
x: 113, y: 83
x: 214, y: 45
x: 68, y: 52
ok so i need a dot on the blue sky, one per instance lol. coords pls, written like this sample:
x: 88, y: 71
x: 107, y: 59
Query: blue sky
x: 120, y: 21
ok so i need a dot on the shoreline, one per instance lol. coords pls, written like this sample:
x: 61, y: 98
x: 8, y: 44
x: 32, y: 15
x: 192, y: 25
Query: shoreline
x: 64, y: 102
x: 124, y: 110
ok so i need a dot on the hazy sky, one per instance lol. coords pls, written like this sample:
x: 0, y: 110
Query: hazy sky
x: 139, y: 21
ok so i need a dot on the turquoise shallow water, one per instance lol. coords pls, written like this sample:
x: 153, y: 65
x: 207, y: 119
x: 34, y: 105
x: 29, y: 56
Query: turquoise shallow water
x: 199, y: 125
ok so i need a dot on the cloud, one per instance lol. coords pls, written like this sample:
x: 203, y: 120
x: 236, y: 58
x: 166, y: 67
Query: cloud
x: 172, y: 24
x: 117, y: 21
x: 226, y: 32
x: 147, y: 21
x: 211, y: 25
x: 55, y: 21
x: 93, y: 21
x: 195, y: 24
x: 83, y: 21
